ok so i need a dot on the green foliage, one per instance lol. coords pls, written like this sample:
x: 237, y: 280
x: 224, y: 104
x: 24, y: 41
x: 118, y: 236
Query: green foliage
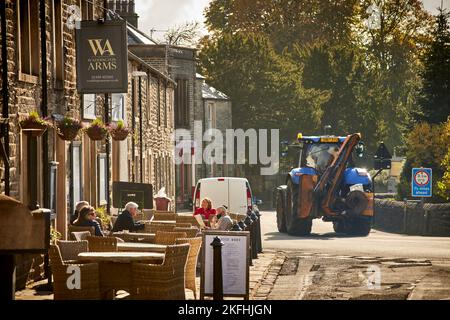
x: 300, y: 65
x: 103, y: 216
x: 428, y: 146
x: 435, y: 100
x: 54, y: 235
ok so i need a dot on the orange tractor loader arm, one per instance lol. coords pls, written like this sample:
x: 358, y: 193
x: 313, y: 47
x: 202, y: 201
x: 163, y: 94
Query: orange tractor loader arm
x: 328, y: 185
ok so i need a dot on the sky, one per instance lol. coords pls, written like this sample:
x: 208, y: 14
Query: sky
x: 163, y: 14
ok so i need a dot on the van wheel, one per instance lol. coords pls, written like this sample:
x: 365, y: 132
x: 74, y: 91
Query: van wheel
x: 295, y: 226
x: 281, y: 210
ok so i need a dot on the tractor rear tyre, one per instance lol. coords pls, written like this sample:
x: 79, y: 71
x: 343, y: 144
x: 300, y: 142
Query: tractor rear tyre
x: 295, y: 226
x: 281, y: 210
x: 353, y: 226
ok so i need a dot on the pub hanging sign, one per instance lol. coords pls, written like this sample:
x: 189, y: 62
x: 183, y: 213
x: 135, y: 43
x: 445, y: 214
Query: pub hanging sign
x: 102, y: 57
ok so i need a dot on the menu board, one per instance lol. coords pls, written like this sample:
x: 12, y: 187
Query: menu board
x: 235, y: 263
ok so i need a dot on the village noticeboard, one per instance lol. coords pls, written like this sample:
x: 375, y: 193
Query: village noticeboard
x: 102, y: 57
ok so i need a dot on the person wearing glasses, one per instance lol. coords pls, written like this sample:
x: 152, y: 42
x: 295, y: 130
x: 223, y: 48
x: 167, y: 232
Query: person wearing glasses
x: 87, y: 218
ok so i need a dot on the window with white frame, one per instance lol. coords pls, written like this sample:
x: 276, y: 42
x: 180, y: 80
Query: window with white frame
x: 102, y: 178
x: 89, y: 106
x: 118, y: 106
x: 76, y: 176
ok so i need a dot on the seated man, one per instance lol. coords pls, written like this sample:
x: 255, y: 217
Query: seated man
x: 225, y: 222
x: 125, y: 220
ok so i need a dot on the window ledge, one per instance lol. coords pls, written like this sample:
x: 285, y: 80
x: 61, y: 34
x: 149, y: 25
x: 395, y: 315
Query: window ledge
x: 28, y: 78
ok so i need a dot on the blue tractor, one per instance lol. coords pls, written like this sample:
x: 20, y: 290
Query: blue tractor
x: 326, y: 184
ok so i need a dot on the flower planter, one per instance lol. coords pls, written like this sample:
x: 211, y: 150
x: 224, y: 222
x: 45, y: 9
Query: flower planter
x: 96, y: 133
x: 68, y: 129
x: 119, y: 134
x: 33, y: 126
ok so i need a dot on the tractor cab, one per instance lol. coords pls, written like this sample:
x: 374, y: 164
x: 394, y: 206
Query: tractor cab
x: 316, y: 152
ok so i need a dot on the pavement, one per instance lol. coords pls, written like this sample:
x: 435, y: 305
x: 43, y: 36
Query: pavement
x: 325, y: 265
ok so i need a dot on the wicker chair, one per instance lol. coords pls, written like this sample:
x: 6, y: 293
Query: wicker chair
x: 73, y: 228
x: 153, y: 227
x: 102, y: 244
x: 191, y: 264
x: 190, y: 232
x: 165, y: 281
x: 70, y: 249
x: 163, y: 215
x: 89, y: 278
x: 168, y: 238
x: 183, y: 225
x: 79, y: 235
x: 187, y: 219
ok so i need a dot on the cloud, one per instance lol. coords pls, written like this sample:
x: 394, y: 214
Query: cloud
x: 163, y: 14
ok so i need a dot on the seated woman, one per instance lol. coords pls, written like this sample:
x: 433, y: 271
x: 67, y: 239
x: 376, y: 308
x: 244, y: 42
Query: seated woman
x: 224, y: 222
x: 206, y: 209
x: 86, y: 218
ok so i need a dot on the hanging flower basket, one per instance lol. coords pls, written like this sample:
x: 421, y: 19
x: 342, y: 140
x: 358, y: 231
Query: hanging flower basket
x: 34, y: 125
x: 118, y: 131
x: 68, y: 128
x: 97, y: 130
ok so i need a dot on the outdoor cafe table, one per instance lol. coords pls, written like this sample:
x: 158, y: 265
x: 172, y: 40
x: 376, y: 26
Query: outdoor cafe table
x: 135, y: 236
x: 141, y: 247
x: 115, y: 268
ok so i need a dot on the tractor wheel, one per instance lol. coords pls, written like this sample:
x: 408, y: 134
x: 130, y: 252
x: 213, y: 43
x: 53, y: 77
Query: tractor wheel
x: 295, y: 226
x: 281, y: 210
x: 353, y: 226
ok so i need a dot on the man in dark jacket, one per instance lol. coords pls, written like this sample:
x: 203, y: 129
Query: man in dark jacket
x: 125, y: 220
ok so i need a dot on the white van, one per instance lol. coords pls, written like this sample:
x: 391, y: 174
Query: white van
x: 235, y: 193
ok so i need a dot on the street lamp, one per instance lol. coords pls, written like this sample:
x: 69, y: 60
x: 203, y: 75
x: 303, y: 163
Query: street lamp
x: 326, y: 127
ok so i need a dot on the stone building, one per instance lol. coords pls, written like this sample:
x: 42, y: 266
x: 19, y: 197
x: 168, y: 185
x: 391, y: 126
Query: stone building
x: 179, y: 63
x: 53, y: 173
x: 214, y: 107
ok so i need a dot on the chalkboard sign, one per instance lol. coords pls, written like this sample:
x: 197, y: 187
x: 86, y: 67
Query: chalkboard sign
x: 141, y: 193
x: 235, y: 263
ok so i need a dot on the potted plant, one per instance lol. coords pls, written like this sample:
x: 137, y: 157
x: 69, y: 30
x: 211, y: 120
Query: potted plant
x: 97, y: 130
x: 33, y: 124
x: 68, y: 128
x: 119, y: 131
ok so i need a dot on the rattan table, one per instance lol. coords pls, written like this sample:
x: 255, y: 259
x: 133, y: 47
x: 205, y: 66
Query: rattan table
x: 141, y: 247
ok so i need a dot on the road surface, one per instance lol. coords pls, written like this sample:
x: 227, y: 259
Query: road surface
x: 324, y: 240
x: 381, y: 266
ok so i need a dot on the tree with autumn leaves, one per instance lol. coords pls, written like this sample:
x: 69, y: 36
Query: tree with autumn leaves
x: 301, y: 65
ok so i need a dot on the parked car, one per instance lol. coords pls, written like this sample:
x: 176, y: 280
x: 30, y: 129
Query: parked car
x: 235, y: 193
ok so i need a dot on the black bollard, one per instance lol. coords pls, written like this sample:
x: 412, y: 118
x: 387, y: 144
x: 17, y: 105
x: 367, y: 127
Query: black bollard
x: 242, y: 225
x: 254, y: 235
x: 217, y: 269
x: 7, y: 277
x: 235, y: 227
x: 248, y: 223
x: 258, y: 227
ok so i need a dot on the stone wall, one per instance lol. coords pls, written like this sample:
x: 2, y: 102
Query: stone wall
x: 412, y: 218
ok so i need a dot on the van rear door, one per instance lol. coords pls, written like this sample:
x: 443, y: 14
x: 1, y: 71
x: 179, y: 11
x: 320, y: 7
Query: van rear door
x: 238, y: 196
x: 216, y: 190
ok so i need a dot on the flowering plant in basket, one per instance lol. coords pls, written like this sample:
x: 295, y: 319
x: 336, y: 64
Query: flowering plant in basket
x: 118, y: 131
x: 68, y: 128
x: 34, y: 124
x: 97, y: 130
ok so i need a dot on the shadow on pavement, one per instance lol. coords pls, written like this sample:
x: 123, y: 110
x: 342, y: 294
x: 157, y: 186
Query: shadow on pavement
x: 312, y: 236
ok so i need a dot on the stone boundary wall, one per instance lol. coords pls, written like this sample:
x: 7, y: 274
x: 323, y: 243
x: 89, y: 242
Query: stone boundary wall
x: 412, y: 218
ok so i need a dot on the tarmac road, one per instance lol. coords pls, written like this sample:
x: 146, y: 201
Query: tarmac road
x: 378, y: 244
